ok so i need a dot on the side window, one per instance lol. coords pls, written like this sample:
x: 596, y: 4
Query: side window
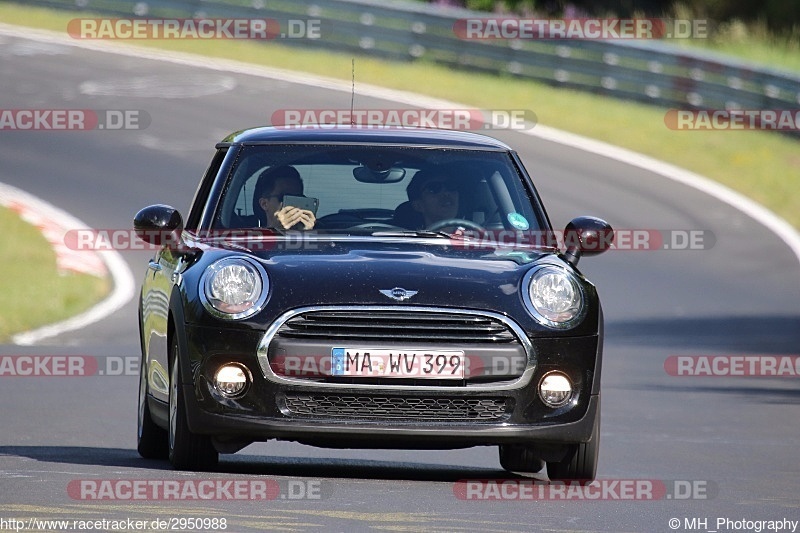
x: 244, y: 202
x: 200, y: 195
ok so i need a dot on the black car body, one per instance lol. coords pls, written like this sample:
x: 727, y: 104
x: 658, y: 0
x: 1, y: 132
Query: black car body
x: 365, y: 332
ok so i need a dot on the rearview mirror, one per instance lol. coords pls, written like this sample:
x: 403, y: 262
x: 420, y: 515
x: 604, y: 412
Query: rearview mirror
x: 368, y: 175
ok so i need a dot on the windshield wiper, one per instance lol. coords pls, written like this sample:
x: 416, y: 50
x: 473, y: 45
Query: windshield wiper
x: 425, y: 234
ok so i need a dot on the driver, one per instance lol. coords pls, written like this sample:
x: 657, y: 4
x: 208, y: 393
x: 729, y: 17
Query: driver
x: 272, y: 185
x: 434, y: 195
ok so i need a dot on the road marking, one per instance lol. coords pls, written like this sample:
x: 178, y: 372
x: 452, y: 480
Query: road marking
x: 158, y: 86
x: 785, y: 231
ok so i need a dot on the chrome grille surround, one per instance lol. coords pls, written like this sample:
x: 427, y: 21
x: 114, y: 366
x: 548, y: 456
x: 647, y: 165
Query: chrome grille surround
x: 411, y: 327
x: 428, y: 312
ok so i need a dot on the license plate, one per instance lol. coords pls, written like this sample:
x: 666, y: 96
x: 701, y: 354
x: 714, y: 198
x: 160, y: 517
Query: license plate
x: 368, y: 363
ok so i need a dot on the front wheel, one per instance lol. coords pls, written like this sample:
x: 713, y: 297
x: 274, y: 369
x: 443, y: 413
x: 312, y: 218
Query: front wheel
x: 581, y: 462
x: 520, y: 458
x: 187, y: 451
x: 151, y: 440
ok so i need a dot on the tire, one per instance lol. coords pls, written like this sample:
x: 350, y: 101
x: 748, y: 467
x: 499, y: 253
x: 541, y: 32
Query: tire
x: 187, y: 451
x: 581, y: 462
x: 520, y: 458
x: 151, y: 440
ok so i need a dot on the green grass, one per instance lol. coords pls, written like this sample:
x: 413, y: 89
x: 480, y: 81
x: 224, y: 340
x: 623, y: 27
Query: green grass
x: 764, y: 166
x: 752, y: 42
x: 32, y: 292
x: 779, y: 56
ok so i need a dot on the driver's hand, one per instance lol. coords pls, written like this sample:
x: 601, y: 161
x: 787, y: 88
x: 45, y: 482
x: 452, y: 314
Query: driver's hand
x: 289, y: 215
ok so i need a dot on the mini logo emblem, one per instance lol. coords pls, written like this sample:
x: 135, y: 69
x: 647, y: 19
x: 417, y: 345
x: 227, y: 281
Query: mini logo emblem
x: 398, y: 294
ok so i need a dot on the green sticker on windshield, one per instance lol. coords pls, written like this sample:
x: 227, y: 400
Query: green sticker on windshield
x: 518, y: 221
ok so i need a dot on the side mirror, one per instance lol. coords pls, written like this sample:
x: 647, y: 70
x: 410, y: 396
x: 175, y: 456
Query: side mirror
x: 158, y: 225
x: 586, y: 236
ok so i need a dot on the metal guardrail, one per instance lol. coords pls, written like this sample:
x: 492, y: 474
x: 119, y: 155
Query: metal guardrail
x: 652, y: 72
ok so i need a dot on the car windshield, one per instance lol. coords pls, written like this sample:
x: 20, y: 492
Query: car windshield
x: 371, y: 190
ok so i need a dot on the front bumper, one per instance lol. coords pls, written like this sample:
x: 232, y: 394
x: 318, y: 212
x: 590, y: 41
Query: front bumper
x: 361, y: 434
x: 265, y: 412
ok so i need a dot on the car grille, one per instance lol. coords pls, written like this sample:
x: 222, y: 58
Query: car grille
x: 422, y: 327
x: 395, y: 407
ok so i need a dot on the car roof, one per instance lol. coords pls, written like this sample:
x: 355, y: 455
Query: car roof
x: 365, y: 135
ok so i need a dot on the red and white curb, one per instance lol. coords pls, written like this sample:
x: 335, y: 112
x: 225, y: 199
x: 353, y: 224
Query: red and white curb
x: 53, y: 229
x: 54, y: 224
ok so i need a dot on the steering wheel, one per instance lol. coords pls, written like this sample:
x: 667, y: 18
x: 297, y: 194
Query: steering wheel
x: 436, y: 226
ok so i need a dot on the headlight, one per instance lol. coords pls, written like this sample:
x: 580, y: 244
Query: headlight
x: 234, y: 288
x: 553, y: 296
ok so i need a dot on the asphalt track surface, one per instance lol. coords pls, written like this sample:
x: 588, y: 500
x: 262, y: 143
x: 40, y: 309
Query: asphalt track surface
x: 737, y: 437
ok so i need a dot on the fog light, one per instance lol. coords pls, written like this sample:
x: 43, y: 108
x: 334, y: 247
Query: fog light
x: 231, y: 380
x: 555, y: 389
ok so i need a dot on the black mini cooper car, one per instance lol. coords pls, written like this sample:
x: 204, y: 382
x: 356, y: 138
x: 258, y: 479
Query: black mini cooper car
x: 367, y: 287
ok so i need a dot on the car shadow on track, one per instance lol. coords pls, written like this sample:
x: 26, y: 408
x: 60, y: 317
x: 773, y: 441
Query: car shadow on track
x: 266, y: 465
x: 778, y: 334
x: 767, y: 395
x: 356, y: 469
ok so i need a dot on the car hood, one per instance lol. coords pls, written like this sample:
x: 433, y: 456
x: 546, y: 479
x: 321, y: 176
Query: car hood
x: 365, y: 271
